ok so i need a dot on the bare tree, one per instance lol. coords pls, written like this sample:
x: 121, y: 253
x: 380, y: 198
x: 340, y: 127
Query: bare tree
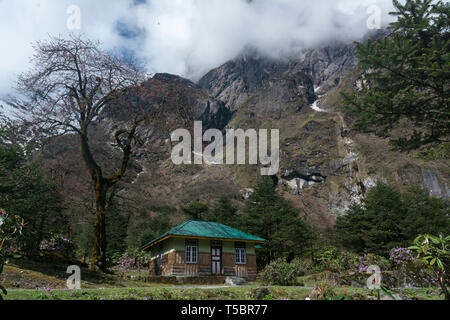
x: 72, y: 81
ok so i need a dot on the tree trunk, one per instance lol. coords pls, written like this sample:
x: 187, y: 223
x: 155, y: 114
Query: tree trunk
x: 443, y: 285
x: 101, y: 186
x: 269, y: 256
x: 99, y: 250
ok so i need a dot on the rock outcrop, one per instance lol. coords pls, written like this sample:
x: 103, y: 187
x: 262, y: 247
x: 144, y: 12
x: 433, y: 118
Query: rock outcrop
x: 320, y: 155
x: 235, y: 81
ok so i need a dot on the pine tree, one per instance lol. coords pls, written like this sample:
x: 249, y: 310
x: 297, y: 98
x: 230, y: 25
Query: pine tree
x: 391, y: 219
x: 268, y: 215
x: 224, y: 212
x: 196, y: 210
x: 406, y: 76
x: 147, y: 230
x: 26, y: 190
x: 116, y: 233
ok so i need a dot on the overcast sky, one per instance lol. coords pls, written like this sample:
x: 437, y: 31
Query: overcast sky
x: 185, y: 37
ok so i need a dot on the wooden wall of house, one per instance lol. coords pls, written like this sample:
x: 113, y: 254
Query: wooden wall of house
x: 249, y: 269
x: 230, y: 268
x: 181, y: 268
x: 173, y: 262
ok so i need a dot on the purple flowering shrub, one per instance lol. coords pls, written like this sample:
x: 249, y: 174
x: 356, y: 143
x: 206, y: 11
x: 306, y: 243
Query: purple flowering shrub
x: 363, y: 263
x: 401, y: 270
x: 401, y: 256
x: 134, y: 260
x: 58, y: 244
x: 370, y: 259
x: 127, y: 262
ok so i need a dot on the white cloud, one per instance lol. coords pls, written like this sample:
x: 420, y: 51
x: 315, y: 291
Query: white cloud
x: 24, y: 22
x: 190, y: 37
x: 186, y: 37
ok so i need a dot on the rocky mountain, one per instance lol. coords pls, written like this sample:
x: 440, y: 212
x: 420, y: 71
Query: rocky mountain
x: 181, y: 101
x: 235, y: 81
x: 325, y: 165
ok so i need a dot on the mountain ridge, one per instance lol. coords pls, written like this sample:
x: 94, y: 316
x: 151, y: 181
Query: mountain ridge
x: 325, y: 165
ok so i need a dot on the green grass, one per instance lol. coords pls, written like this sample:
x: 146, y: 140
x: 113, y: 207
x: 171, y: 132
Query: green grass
x: 405, y: 294
x: 203, y: 293
x: 22, y: 277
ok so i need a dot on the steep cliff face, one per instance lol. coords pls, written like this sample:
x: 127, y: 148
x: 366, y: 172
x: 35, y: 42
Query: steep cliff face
x: 327, y: 65
x: 325, y: 166
x: 235, y: 81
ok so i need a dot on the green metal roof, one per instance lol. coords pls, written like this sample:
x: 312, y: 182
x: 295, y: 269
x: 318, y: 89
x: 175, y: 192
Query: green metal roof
x: 206, y: 229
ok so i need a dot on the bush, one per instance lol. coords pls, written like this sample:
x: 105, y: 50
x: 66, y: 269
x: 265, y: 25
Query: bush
x: 58, y: 244
x: 401, y: 256
x: 133, y: 260
x: 304, y: 264
x: 370, y: 259
x: 415, y: 273
x: 325, y: 291
x: 334, y: 260
x: 10, y: 229
x: 435, y: 252
x: 281, y: 273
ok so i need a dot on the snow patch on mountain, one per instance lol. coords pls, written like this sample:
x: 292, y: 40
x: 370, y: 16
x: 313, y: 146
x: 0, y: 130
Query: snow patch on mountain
x: 315, y: 107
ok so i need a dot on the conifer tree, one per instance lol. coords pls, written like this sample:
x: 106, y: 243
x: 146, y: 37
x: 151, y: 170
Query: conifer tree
x: 391, y: 219
x: 406, y: 75
x: 224, y: 212
x: 268, y: 215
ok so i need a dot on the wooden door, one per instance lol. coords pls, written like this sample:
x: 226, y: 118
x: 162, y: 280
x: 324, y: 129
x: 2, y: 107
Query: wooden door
x: 216, y: 260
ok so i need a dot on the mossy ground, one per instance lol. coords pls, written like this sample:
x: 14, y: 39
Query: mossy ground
x: 205, y: 293
x: 44, y: 278
x: 45, y: 284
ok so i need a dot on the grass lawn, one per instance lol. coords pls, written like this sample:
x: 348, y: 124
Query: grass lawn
x: 204, y: 293
x: 155, y: 293
x: 28, y: 280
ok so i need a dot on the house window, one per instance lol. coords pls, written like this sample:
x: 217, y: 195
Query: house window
x: 240, y: 253
x: 191, y: 251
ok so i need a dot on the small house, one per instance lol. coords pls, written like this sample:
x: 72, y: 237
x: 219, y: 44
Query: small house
x: 203, y: 248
